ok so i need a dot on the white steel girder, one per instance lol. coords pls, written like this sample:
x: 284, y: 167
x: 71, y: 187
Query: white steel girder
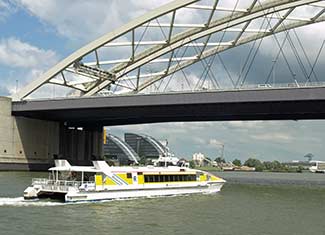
x: 47, y: 76
x: 187, y: 38
x: 217, y: 49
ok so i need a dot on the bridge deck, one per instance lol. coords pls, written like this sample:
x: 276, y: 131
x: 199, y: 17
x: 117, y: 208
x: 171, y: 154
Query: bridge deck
x: 260, y: 104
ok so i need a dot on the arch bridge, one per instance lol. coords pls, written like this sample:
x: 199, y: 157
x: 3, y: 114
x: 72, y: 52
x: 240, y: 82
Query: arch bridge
x: 131, y: 75
x: 145, y: 54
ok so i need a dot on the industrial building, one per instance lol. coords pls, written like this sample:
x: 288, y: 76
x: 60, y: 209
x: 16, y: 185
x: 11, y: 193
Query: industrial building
x: 119, y: 152
x: 146, y: 146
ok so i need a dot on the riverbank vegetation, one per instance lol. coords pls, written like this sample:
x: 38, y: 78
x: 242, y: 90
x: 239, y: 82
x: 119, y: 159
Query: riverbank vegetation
x: 272, y: 166
x: 251, y: 164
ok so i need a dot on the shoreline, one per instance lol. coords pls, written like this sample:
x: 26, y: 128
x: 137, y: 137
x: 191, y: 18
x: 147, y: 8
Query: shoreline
x: 273, y: 178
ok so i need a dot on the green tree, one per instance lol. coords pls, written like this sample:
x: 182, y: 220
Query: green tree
x: 277, y: 166
x: 300, y: 169
x: 192, y: 164
x: 143, y: 160
x: 253, y: 162
x: 236, y: 162
x: 220, y: 160
x: 309, y: 156
x: 259, y: 168
x: 268, y: 165
x: 274, y: 166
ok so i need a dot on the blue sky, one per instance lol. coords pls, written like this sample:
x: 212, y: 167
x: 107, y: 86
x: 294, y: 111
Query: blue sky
x: 36, y: 34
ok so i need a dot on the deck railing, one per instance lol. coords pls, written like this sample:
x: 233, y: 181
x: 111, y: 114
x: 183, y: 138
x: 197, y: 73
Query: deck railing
x: 62, y: 185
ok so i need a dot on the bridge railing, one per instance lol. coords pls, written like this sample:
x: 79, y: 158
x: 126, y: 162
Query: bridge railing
x: 243, y: 87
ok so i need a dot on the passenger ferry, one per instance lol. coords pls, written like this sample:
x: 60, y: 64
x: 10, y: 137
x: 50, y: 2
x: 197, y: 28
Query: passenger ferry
x: 104, y: 182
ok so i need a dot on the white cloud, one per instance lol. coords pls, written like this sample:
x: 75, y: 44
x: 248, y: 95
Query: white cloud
x: 245, y: 124
x: 5, y: 9
x: 215, y: 143
x: 15, y: 53
x: 3, y: 91
x: 4, y: 5
x: 25, y: 62
x: 275, y: 137
x: 272, y: 140
x: 85, y: 20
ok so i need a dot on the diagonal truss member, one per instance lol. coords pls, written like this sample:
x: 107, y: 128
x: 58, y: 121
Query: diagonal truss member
x: 96, y: 77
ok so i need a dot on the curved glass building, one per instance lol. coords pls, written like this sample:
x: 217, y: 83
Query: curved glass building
x: 116, y: 149
x: 145, y: 146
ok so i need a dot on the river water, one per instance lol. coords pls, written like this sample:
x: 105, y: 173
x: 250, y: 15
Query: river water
x: 250, y: 203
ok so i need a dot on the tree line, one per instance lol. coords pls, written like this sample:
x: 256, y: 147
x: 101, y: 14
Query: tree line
x: 274, y: 166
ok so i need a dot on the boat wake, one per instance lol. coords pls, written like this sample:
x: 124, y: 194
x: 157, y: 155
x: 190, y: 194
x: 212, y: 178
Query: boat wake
x: 20, y: 201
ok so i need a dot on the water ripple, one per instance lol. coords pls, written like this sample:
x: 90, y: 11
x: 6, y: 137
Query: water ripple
x: 19, y: 201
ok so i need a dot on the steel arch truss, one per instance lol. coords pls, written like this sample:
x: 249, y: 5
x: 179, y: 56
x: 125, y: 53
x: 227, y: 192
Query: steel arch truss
x: 94, y: 68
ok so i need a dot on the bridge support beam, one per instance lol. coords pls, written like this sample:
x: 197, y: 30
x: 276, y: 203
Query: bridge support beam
x: 32, y: 144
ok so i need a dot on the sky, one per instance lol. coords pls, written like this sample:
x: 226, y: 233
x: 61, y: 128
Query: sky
x: 37, y: 34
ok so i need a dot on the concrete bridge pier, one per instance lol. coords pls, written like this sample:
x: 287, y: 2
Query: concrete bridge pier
x: 32, y: 144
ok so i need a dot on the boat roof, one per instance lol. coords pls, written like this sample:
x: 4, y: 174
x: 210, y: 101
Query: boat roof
x: 317, y: 161
x: 102, y: 166
x: 123, y: 169
x: 74, y: 168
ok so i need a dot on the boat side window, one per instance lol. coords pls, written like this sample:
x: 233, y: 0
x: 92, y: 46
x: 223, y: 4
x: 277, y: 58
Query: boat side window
x: 151, y: 178
x: 89, y: 176
x: 156, y: 178
x: 167, y: 177
x: 184, y: 177
x: 177, y: 178
x: 172, y: 178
